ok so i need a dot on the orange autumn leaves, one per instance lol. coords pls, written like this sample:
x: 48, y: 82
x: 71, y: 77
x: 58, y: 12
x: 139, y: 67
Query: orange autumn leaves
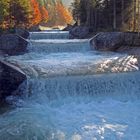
x: 39, y: 13
x: 45, y: 14
x: 64, y: 13
x: 27, y: 13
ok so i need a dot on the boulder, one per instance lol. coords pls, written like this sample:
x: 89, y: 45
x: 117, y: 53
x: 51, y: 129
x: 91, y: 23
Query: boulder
x: 12, y: 44
x: 34, y: 28
x: 131, y: 39
x: 112, y: 41
x: 107, y: 41
x: 68, y: 28
x: 11, y: 78
x: 22, y: 32
x: 79, y: 32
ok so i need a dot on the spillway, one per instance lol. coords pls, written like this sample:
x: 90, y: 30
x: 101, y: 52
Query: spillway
x: 73, y: 92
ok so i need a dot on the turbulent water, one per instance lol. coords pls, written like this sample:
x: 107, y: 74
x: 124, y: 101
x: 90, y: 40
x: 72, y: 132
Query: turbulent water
x: 73, y: 93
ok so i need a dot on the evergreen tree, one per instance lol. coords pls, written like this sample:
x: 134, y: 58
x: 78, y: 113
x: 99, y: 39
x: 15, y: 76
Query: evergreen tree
x: 4, y: 13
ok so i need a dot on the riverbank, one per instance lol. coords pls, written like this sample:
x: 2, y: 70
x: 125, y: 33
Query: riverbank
x: 11, y: 77
x: 119, y: 42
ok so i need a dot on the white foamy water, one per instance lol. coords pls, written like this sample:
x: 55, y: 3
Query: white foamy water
x: 73, y: 93
x: 49, y: 35
x: 73, y: 119
x: 55, y: 46
x: 64, y: 64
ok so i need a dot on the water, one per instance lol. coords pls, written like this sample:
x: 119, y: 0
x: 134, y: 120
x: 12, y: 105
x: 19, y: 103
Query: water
x: 56, y: 46
x: 73, y: 93
x: 49, y: 35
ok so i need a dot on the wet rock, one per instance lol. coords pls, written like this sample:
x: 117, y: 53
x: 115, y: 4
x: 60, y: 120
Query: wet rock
x: 79, y: 32
x: 70, y: 27
x: 109, y: 41
x: 35, y: 28
x: 131, y: 39
x: 22, y: 32
x: 113, y: 41
x: 11, y: 78
x: 12, y: 44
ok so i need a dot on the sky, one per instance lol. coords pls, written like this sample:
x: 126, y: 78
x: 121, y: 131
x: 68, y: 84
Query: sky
x: 67, y: 2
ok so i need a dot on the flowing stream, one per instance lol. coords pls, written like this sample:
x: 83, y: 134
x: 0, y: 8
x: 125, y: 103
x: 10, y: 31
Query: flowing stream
x: 73, y: 92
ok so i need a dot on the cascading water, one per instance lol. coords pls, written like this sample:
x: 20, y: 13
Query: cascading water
x: 73, y: 93
x: 49, y: 35
x: 48, y: 46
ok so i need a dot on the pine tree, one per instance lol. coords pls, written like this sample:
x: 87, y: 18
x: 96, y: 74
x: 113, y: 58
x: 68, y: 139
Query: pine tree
x: 4, y: 13
x: 22, y: 17
x: 76, y: 10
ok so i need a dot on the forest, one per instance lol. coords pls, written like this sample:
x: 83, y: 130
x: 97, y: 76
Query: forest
x: 121, y: 15
x: 28, y: 13
x: 98, y: 15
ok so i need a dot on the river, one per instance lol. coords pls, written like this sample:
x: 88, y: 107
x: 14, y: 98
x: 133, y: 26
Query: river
x: 73, y: 92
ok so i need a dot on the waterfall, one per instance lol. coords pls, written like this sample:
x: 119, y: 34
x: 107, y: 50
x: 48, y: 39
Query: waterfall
x: 73, y: 92
x: 59, y: 46
x: 49, y: 35
x: 97, y: 86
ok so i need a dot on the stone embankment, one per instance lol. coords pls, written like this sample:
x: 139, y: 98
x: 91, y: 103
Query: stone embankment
x: 14, y: 44
x: 125, y: 42
x: 11, y: 77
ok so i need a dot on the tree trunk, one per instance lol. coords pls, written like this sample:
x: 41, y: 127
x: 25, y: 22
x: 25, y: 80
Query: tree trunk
x: 138, y: 17
x: 95, y: 19
x: 122, y: 13
x: 134, y: 16
x: 114, y: 15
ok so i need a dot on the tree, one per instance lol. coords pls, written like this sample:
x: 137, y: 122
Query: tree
x: 138, y: 17
x: 4, y: 13
x: 22, y: 17
x: 36, y: 15
x: 63, y: 13
x: 76, y: 10
x: 134, y: 15
x: 106, y: 14
x: 44, y: 14
x: 9, y: 17
x: 114, y: 14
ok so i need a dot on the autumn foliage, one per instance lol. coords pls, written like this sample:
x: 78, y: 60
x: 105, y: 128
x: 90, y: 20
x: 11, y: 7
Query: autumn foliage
x: 64, y: 13
x: 44, y: 14
x: 36, y: 15
x: 27, y: 13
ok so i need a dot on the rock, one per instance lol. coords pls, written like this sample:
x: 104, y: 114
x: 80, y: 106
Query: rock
x: 12, y: 44
x: 11, y: 78
x: 79, y: 32
x: 131, y: 39
x: 22, y: 32
x: 115, y: 41
x: 129, y: 50
x: 2, y: 53
x: 128, y: 39
x: 108, y: 41
x: 34, y: 28
x: 68, y: 28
